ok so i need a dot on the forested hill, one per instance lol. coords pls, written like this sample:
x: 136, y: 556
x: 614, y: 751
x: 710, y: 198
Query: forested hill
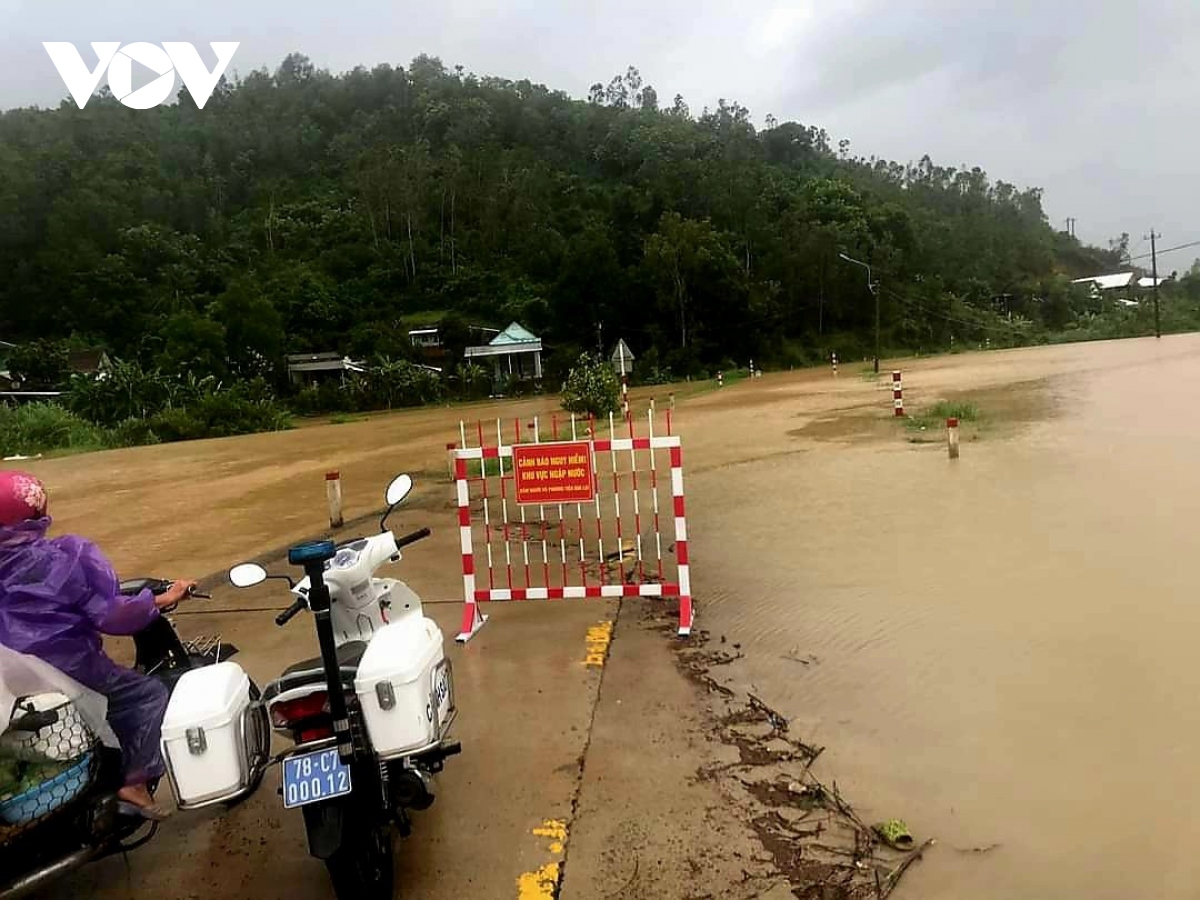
x: 307, y: 211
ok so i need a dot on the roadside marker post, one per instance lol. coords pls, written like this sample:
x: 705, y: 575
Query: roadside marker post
x: 952, y: 437
x: 835, y: 365
x: 622, y: 360
x: 897, y: 393
x: 333, y: 494
x: 579, y: 517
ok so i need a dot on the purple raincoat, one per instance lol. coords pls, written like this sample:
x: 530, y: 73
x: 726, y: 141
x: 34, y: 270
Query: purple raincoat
x: 57, y: 597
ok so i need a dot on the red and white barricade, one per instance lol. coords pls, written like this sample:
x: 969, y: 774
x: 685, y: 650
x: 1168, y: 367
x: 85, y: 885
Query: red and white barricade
x: 552, y: 516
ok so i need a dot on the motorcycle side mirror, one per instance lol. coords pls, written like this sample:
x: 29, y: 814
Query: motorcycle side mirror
x: 247, y: 575
x: 399, y: 488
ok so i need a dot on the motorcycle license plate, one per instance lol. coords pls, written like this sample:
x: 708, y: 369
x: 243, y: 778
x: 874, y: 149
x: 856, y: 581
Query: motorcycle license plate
x: 312, y: 777
x: 443, y: 691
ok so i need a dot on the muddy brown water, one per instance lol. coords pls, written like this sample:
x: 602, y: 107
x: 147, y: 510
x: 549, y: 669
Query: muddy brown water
x: 1002, y: 651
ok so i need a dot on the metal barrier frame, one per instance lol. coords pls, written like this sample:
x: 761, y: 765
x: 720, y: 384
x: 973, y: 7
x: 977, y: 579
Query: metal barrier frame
x: 473, y: 619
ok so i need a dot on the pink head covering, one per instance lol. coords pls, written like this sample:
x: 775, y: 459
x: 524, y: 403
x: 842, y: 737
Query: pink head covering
x: 22, y: 496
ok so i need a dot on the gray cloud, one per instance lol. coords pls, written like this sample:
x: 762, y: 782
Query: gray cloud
x: 1094, y: 101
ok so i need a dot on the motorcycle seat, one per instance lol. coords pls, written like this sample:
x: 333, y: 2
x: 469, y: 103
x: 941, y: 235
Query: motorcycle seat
x: 308, y: 671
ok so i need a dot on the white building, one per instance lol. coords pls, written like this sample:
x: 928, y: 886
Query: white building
x: 1127, y: 283
x: 309, y: 366
x: 514, y: 352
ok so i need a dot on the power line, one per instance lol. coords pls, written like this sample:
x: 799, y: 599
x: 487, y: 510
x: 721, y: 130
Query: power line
x: 1168, y: 250
x: 996, y: 329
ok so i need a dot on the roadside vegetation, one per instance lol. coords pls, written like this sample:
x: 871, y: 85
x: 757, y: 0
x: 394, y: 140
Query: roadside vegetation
x: 304, y: 211
x: 928, y: 424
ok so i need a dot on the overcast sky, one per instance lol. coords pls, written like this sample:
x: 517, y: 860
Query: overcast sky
x: 1096, y: 101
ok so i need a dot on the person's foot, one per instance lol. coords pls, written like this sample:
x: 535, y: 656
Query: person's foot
x: 135, y: 799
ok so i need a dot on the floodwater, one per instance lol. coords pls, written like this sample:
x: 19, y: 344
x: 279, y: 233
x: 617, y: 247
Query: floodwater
x: 1004, y: 650
x: 1000, y: 650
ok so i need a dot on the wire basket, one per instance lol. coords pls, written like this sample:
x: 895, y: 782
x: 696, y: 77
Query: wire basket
x: 43, y: 769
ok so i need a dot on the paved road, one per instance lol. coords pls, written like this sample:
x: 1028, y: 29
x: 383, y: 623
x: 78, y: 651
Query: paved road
x: 526, y: 701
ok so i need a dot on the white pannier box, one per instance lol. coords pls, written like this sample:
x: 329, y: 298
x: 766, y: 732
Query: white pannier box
x: 203, y: 734
x: 404, y: 687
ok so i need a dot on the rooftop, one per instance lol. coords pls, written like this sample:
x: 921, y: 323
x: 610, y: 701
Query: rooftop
x: 513, y: 339
x: 1108, y: 282
x: 514, y: 334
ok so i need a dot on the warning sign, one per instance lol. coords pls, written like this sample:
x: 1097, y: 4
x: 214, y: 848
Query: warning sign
x: 553, y: 473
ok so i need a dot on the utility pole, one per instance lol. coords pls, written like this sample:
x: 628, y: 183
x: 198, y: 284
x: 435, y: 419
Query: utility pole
x: 873, y: 287
x: 1154, y: 277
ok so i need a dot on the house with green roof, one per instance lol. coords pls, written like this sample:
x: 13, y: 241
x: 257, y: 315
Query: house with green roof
x: 513, y: 353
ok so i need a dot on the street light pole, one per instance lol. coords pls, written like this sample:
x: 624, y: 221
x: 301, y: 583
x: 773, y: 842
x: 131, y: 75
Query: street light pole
x: 873, y: 287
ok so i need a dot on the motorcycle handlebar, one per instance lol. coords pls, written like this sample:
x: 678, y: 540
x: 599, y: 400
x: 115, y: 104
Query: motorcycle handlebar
x: 284, y: 617
x: 161, y: 588
x: 412, y: 538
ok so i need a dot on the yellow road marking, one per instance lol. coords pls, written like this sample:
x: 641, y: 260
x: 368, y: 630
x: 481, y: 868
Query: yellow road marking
x: 539, y: 885
x: 556, y: 831
x: 598, y: 638
x: 542, y: 883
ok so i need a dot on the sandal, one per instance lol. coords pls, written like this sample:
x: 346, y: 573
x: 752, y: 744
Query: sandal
x: 153, y: 813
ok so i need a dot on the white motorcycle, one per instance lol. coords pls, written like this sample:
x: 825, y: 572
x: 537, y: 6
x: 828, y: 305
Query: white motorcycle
x: 368, y: 718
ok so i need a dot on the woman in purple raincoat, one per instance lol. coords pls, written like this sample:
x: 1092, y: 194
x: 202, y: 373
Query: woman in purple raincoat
x: 58, y: 596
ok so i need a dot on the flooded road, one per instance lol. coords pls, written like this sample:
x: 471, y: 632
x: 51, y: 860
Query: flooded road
x: 1001, y: 650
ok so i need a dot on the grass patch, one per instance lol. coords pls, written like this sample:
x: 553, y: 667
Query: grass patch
x: 490, y: 468
x: 44, y: 427
x: 345, y: 419
x: 733, y: 376
x: 963, y: 410
x: 928, y: 425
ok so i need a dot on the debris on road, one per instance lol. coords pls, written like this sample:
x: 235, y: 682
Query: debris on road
x: 812, y: 835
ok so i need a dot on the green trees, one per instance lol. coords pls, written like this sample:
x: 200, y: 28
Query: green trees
x: 39, y: 365
x: 302, y: 211
x: 695, y: 273
x: 151, y: 405
x: 591, y: 387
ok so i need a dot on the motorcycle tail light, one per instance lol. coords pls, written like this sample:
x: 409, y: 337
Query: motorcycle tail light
x: 289, y: 713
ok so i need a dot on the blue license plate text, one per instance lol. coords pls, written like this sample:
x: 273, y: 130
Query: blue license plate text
x: 313, y: 777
